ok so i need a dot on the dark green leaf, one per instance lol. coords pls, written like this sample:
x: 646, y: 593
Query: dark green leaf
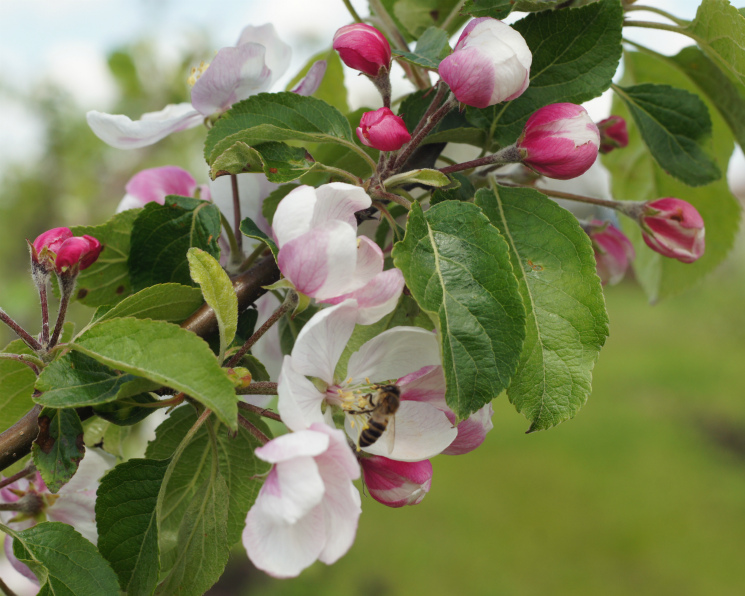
x: 107, y: 280
x: 332, y: 89
x: 250, y: 229
x: 289, y: 327
x: 163, y: 302
x: 64, y: 562
x: 462, y: 189
x: 278, y: 161
x: 164, y: 353
x: 498, y: 9
x: 575, y: 55
x: 675, y: 125
x: 127, y: 528
x: 58, y: 448
x: 163, y: 233
x: 277, y: 117
x: 124, y: 411
x: 566, y: 320
x: 457, y: 267
x: 430, y: 49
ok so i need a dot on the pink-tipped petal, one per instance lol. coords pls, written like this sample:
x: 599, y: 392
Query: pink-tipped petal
x: 471, y: 432
x: 339, y: 201
x: 278, y: 53
x: 309, y: 84
x: 122, y: 132
x: 294, y: 213
x: 154, y: 184
x: 396, y: 483
x: 377, y: 298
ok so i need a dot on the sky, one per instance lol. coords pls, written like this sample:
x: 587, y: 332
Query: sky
x: 68, y: 40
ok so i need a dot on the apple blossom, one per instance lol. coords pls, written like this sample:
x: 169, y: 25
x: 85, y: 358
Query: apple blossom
x: 613, y: 250
x: 559, y: 141
x: 383, y: 130
x: 155, y: 184
x: 673, y: 228
x: 307, y: 508
x: 417, y: 431
x: 613, y: 134
x: 396, y: 483
x: 322, y: 256
x: 57, y: 249
x: 489, y: 64
x: 364, y: 48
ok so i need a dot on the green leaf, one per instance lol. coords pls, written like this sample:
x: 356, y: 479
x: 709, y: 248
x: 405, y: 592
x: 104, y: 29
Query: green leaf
x: 218, y: 293
x: 498, y: 9
x: 64, y: 562
x: 76, y: 380
x: 58, y: 448
x: 575, y: 55
x: 163, y: 302
x: 566, y: 320
x: 332, y: 89
x: 127, y: 528
x: 727, y: 97
x: 277, y: 117
x: 16, y: 386
x: 278, y: 161
x: 269, y: 206
x: 453, y: 128
x: 636, y: 176
x: 250, y: 229
x: 124, y: 411
x: 719, y: 28
x: 107, y: 280
x: 423, y: 176
x: 674, y: 124
x: 238, y: 465
x: 166, y: 354
x: 431, y: 48
x: 163, y: 233
x: 415, y: 17
x: 462, y: 189
x: 457, y: 267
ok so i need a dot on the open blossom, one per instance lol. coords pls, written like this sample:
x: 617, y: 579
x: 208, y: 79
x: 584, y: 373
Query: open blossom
x: 155, y: 184
x: 559, y: 141
x: 57, y: 249
x: 418, y: 431
x: 322, y: 256
x: 489, y: 64
x: 73, y: 504
x: 364, y: 48
x: 396, y: 483
x: 613, y: 250
x: 252, y: 66
x: 383, y: 130
x: 307, y: 508
x: 673, y: 228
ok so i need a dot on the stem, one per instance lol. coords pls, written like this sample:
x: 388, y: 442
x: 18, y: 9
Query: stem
x: 235, y: 253
x: 653, y: 25
x: 258, y: 388
x: 257, y: 252
x: 11, y: 506
x: 44, y: 314
x: 361, y: 153
x: 27, y: 471
x: 291, y: 301
x: 260, y: 411
x: 387, y: 214
x: 32, y: 362
x: 237, y: 213
x: 342, y: 173
x: 64, y: 301
x: 631, y: 209
x: 453, y: 15
x: 260, y: 436
x: 352, y: 11
x: 504, y: 156
x: 442, y: 89
x: 20, y: 332
x: 6, y: 590
x: 382, y: 194
x: 659, y: 11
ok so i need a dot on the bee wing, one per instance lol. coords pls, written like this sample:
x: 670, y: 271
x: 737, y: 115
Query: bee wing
x: 389, y: 437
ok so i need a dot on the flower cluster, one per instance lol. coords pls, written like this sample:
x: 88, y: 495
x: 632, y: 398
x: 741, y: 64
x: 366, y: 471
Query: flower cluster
x: 60, y: 251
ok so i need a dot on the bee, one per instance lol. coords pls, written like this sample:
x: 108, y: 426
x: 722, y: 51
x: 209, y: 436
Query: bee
x: 382, y: 407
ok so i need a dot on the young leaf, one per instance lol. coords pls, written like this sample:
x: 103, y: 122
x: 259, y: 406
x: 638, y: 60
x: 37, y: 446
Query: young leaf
x: 218, y: 293
x: 674, y: 124
x: 107, y: 280
x: 277, y: 117
x: 575, y: 55
x: 16, y: 386
x: 166, y: 354
x: 457, y: 267
x: 163, y: 233
x: 58, y: 448
x: 250, y: 229
x: 431, y: 48
x: 64, y: 562
x: 566, y: 320
x: 127, y: 528
x: 163, y: 302
x: 719, y: 28
x: 636, y: 176
x: 424, y: 176
x: 76, y: 380
x: 277, y: 161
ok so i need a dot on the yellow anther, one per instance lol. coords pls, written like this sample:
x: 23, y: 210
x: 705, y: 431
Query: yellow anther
x: 367, y: 380
x: 197, y: 72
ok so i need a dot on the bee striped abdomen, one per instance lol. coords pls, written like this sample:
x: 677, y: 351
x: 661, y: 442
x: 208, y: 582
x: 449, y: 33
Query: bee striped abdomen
x: 372, y: 433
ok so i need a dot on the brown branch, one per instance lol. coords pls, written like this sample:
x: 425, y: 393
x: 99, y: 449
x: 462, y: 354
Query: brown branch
x: 15, y: 442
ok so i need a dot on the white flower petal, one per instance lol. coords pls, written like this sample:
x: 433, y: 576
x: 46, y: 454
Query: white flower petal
x: 338, y: 200
x: 299, y: 402
x: 300, y: 488
x: 312, y: 80
x: 304, y: 443
x: 94, y: 464
x: 278, y: 53
x: 78, y: 510
x: 122, y: 132
x: 342, y: 509
x: 320, y: 343
x: 393, y: 354
x: 293, y: 215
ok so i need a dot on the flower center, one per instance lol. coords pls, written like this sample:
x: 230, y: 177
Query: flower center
x: 197, y: 72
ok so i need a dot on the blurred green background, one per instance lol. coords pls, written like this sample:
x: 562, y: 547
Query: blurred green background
x: 642, y: 493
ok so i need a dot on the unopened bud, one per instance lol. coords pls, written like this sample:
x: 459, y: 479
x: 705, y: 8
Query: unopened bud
x: 613, y: 134
x: 383, y: 130
x: 396, y: 483
x: 364, y: 48
x: 613, y: 251
x: 673, y: 228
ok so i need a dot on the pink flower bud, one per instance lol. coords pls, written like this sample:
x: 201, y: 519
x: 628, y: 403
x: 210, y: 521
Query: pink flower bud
x: 559, y: 141
x: 363, y: 48
x: 80, y: 251
x: 673, y: 228
x: 613, y: 251
x: 383, y: 130
x: 489, y: 64
x: 51, y: 240
x: 396, y: 483
x: 613, y: 134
